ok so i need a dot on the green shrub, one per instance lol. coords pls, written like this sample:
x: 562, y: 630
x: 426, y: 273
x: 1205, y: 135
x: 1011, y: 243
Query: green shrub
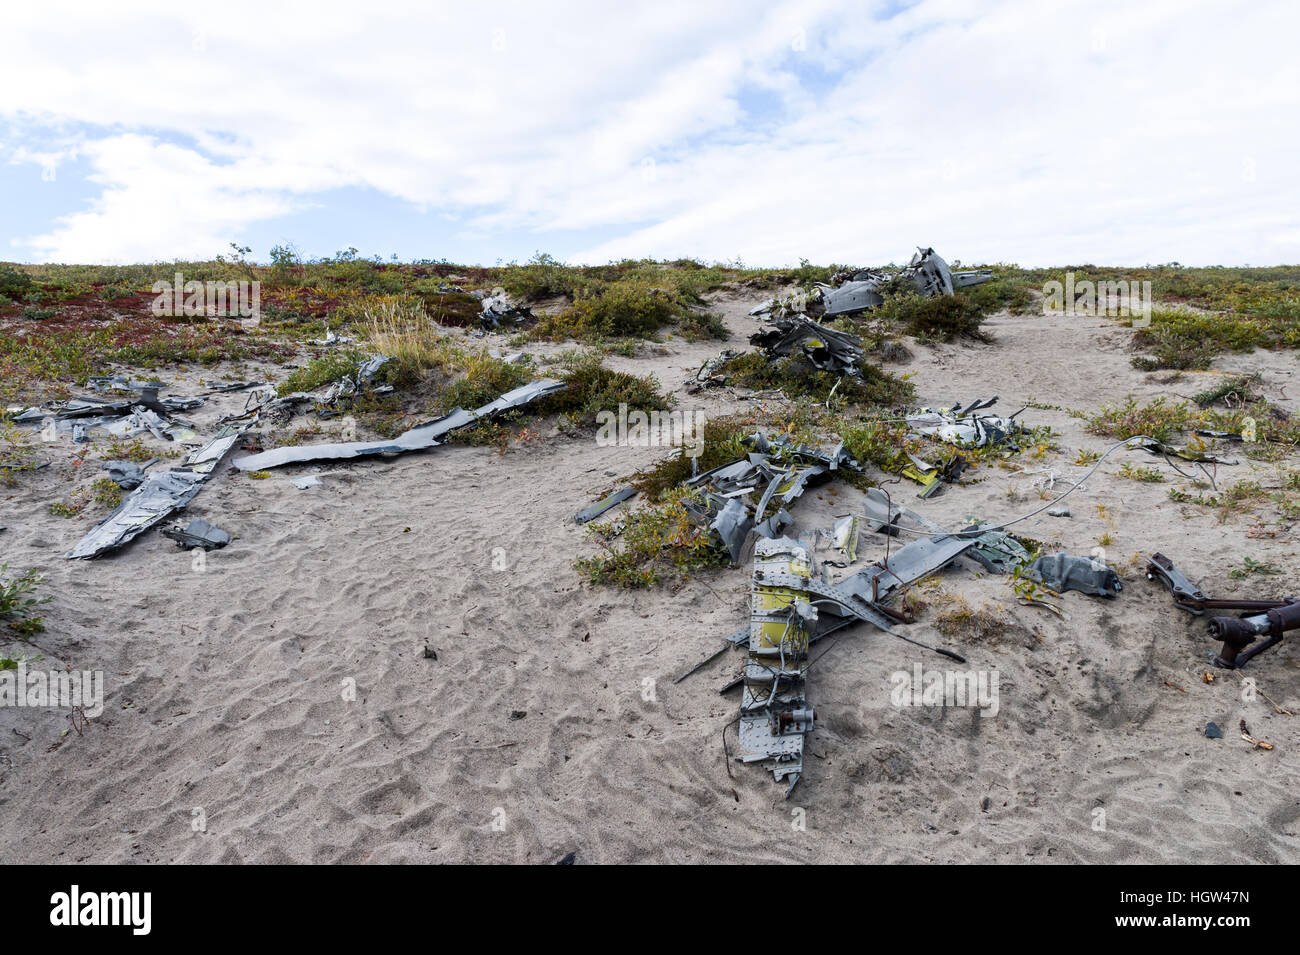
x: 938, y: 318
x: 16, y: 601
x: 13, y: 283
x: 1182, y: 340
x: 796, y: 377
x: 625, y: 309
x: 325, y: 370
x: 593, y: 388
x: 655, y: 539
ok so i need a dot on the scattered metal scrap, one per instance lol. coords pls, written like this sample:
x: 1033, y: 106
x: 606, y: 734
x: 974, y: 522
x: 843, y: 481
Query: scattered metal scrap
x: 777, y: 472
x: 160, y: 495
x: 331, y: 339
x: 961, y: 427
x: 198, y: 533
x: 499, y: 310
x: 127, y: 474
x: 145, y: 412
x: 856, y: 290
x: 790, y: 610
x: 360, y: 381
x: 1062, y: 572
x: 928, y: 271
x: 824, y: 348
x: 416, y: 439
x: 1270, y: 619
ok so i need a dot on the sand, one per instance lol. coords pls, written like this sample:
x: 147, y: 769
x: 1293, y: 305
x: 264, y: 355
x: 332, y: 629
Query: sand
x: 278, y: 705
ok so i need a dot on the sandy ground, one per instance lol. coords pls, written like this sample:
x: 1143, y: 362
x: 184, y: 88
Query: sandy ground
x: 231, y: 734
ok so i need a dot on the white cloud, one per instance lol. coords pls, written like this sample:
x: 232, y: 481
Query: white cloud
x: 1022, y: 131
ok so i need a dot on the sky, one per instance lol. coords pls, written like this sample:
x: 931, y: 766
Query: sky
x: 1039, y: 133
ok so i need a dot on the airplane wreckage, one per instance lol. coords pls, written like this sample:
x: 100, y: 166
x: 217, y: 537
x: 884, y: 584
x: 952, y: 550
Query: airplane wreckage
x: 745, y: 503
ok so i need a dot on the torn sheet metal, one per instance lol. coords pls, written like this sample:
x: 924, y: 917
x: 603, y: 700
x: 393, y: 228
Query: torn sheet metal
x: 707, y: 375
x: 774, y: 715
x: 26, y: 416
x: 198, y: 533
x: 963, y: 428
x: 600, y: 507
x: 776, y: 471
x: 121, y: 383
x: 733, y: 524
x: 884, y: 517
x: 998, y: 551
x: 905, y: 566
x: 331, y: 339
x: 499, y: 310
x: 234, y: 386
x: 824, y: 348
x: 844, y: 537
x: 927, y: 270
x: 789, y: 609
x: 160, y: 495
x: 796, y: 303
x: 932, y: 476
x: 360, y: 381
x: 852, y: 297
x: 126, y: 474
x: 930, y: 273
x: 417, y: 439
x: 1062, y: 572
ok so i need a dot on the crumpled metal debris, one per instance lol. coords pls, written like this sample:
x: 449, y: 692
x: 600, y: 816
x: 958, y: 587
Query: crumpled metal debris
x: 932, y: 476
x: 844, y: 535
x: 234, y: 386
x: 707, y: 376
x: 962, y: 427
x: 126, y: 474
x: 499, y: 310
x: 999, y: 552
x: 121, y: 383
x: 796, y: 303
x: 198, y: 533
x: 143, y: 413
x: 161, y: 494
x: 790, y: 609
x: 862, y: 596
x: 778, y: 471
x: 851, y: 297
x: 1062, y: 572
x: 824, y: 348
x: 362, y: 380
x: 417, y: 439
x: 928, y: 271
x: 32, y: 415
x: 331, y: 339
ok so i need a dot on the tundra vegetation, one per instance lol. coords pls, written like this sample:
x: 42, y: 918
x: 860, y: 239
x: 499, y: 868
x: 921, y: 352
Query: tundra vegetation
x: 62, y: 324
